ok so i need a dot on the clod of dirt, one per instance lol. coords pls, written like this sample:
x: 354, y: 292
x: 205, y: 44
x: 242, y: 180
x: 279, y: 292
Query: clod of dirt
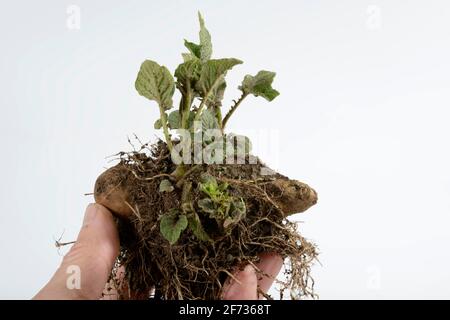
x: 196, y: 266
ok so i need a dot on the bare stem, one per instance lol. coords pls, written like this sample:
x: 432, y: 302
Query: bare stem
x: 205, y: 98
x: 165, y: 129
x: 186, y: 107
x: 186, y: 174
x: 233, y: 108
x: 219, y: 116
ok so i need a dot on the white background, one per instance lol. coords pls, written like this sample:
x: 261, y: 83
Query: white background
x: 363, y: 117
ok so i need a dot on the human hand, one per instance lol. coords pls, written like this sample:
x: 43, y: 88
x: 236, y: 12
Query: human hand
x: 246, y: 286
x: 97, y: 247
x: 93, y: 256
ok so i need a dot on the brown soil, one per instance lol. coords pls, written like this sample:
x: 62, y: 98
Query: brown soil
x: 194, y: 269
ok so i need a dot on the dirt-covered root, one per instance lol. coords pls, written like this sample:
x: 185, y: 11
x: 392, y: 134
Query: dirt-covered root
x: 195, y: 267
x: 195, y: 270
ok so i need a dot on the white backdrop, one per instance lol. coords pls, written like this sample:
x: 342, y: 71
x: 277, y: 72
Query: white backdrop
x: 363, y: 117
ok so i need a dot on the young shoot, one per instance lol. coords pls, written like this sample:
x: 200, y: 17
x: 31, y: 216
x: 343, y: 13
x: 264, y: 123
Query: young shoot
x: 201, y: 82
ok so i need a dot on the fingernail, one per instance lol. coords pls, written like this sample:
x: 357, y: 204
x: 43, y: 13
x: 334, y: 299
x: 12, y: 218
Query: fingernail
x: 248, y: 270
x: 270, y: 263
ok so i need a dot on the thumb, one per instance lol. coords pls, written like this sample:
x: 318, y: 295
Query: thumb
x: 85, y: 269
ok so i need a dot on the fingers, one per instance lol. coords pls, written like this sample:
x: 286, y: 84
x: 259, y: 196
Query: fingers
x: 245, y: 286
x: 86, y: 267
x: 270, y: 264
x: 115, y: 285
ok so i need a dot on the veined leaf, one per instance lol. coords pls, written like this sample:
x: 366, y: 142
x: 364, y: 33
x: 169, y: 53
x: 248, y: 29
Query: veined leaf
x: 194, y: 48
x: 195, y: 225
x: 237, y: 212
x: 206, y: 178
x: 188, y: 56
x: 188, y: 71
x: 156, y: 83
x: 172, y: 224
x: 209, y: 121
x: 216, y: 97
x: 260, y: 85
x: 202, y: 51
x: 174, y: 120
x: 158, y: 124
x: 205, y: 40
x: 212, y: 75
x: 207, y: 205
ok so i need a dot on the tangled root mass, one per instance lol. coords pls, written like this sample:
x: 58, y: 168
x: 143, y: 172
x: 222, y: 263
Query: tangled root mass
x: 191, y: 268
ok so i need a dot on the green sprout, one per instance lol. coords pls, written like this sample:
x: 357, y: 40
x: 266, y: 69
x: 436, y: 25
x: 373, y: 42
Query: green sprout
x: 201, y: 82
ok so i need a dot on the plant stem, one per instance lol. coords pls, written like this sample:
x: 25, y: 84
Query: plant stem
x: 179, y: 171
x: 205, y: 98
x: 165, y: 129
x: 199, y: 110
x: 186, y: 108
x: 233, y: 108
x: 186, y: 174
x: 219, y: 116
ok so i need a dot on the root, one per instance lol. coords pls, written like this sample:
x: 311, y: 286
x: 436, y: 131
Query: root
x: 193, y: 269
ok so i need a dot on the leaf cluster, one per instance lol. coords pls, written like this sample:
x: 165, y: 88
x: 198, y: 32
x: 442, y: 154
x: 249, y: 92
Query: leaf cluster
x: 201, y: 81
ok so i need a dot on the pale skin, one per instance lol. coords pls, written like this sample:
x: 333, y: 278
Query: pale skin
x: 96, y: 250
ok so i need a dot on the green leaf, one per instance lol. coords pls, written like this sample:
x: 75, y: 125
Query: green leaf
x: 156, y: 83
x: 158, y: 124
x: 194, y: 48
x: 212, y: 76
x: 205, y: 41
x: 237, y: 212
x: 172, y: 224
x: 202, y: 51
x: 260, y: 85
x: 207, y: 205
x: 209, y: 120
x: 188, y: 71
x: 191, y: 119
x: 216, y: 97
x: 165, y: 186
x: 208, y: 185
x: 223, y: 187
x: 188, y: 57
x: 195, y: 225
x: 174, y: 120
x: 207, y: 178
